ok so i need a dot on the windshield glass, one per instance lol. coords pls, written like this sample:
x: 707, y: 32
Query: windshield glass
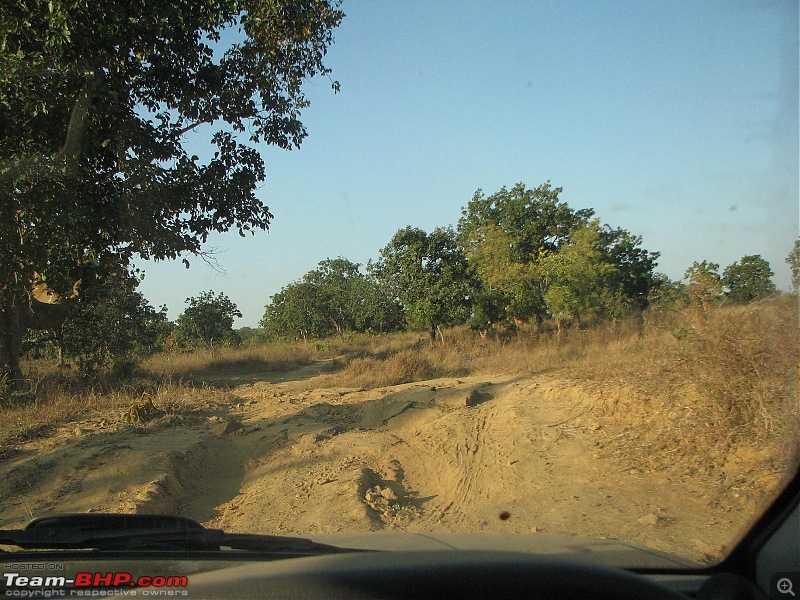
x: 515, y: 268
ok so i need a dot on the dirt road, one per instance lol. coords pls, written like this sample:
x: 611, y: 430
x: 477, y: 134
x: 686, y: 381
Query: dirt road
x: 293, y: 456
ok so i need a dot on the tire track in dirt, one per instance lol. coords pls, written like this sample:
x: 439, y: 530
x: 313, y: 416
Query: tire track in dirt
x: 469, y: 466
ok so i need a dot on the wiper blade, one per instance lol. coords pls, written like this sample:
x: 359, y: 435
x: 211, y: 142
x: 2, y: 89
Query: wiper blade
x: 114, y: 532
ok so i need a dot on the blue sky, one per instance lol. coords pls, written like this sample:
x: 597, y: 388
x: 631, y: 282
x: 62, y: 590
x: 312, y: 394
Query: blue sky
x: 675, y: 120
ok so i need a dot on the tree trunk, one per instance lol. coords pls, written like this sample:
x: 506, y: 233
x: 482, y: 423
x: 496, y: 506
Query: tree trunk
x: 11, y: 333
x: 433, y: 332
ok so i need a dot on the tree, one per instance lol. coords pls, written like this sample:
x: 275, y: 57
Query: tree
x: 334, y: 298
x: 503, y: 236
x: 793, y: 260
x: 535, y: 218
x: 207, y: 320
x: 510, y: 286
x: 113, y: 320
x: 704, y: 284
x: 748, y: 279
x: 294, y: 312
x: 667, y: 293
x: 513, y: 240
x: 96, y: 100
x: 429, y: 275
x: 334, y: 280
x: 633, y: 265
x: 580, y: 281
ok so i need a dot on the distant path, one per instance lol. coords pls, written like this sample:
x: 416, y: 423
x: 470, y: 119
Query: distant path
x: 315, y: 369
x: 318, y: 367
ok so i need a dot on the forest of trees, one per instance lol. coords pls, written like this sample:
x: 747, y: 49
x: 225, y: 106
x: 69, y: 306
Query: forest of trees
x: 520, y: 255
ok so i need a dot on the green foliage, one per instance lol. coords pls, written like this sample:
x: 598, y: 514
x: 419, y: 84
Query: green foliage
x: 488, y: 308
x: 252, y: 337
x: 793, y: 260
x: 504, y: 234
x: 704, y: 284
x: 429, y: 275
x: 580, y: 281
x: 96, y: 98
x: 333, y: 299
x: 538, y: 258
x: 535, y: 219
x: 633, y: 276
x: 375, y: 310
x: 749, y: 279
x: 510, y: 286
x: 113, y: 320
x: 208, y: 321
x: 665, y: 293
x: 293, y: 312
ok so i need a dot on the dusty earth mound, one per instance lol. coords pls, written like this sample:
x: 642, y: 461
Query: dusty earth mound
x: 502, y: 454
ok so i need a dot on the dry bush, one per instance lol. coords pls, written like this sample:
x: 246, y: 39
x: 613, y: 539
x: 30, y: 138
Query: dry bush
x: 745, y: 359
x: 713, y: 394
x: 405, y: 366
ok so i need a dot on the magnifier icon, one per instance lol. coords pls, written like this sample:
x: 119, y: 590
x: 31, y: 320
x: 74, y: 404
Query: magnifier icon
x: 785, y: 586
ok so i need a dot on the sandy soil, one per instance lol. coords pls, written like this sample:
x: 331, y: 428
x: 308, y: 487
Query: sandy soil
x: 292, y: 456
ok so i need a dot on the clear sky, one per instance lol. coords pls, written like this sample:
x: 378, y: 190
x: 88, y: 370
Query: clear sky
x: 676, y: 120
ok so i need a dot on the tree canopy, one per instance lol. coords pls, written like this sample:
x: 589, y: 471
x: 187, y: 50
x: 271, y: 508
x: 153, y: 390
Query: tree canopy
x: 535, y: 257
x: 748, y: 279
x: 535, y: 219
x: 207, y: 321
x: 333, y: 298
x: 580, y: 282
x: 428, y: 274
x: 96, y: 99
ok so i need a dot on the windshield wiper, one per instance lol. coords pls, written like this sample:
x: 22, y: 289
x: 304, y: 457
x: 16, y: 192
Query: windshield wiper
x: 123, y: 532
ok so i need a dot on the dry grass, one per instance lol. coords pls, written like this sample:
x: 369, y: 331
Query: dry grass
x: 745, y: 359
x: 57, y: 400
x: 671, y: 388
x: 411, y: 357
x: 703, y: 395
x: 176, y: 383
x: 201, y: 365
x: 741, y: 362
x: 404, y: 366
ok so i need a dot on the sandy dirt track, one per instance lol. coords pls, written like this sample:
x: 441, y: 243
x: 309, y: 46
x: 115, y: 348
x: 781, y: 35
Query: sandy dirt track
x: 289, y: 455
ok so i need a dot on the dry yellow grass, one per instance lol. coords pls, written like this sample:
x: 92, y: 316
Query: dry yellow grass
x: 703, y: 395
x: 729, y: 376
x: 200, y: 365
